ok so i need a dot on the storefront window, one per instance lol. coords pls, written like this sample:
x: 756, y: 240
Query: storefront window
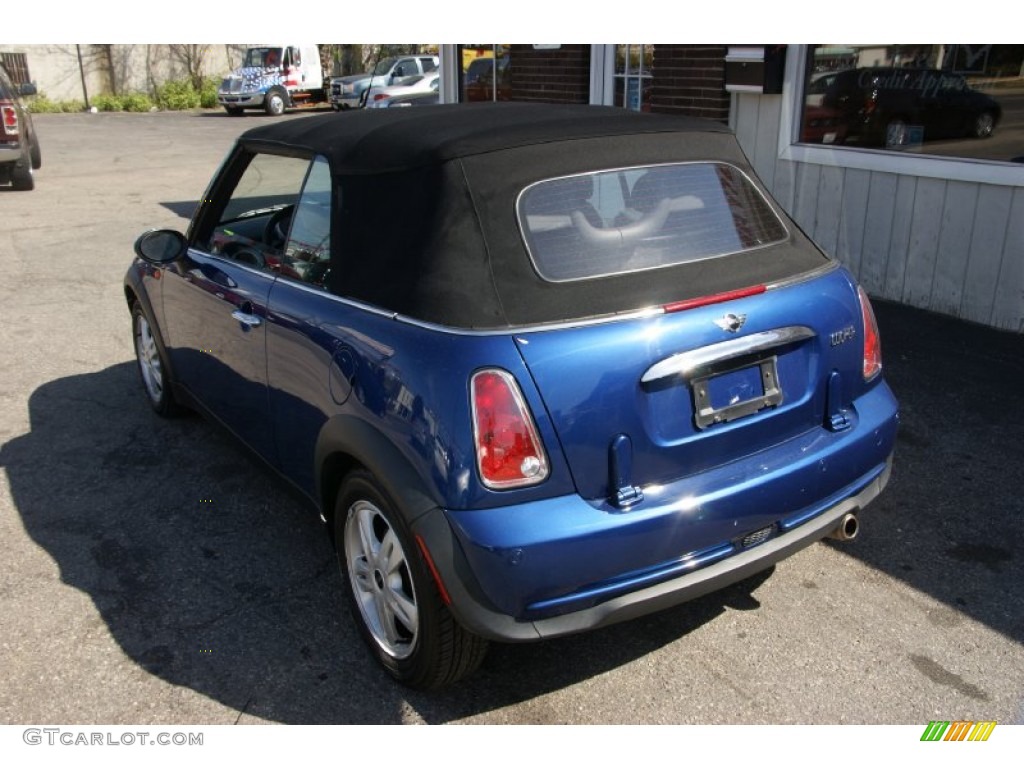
x: 485, y: 73
x: 950, y: 100
x: 634, y: 76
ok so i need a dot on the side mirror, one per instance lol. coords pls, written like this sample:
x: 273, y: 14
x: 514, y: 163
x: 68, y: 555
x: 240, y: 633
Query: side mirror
x: 27, y: 89
x: 160, y: 246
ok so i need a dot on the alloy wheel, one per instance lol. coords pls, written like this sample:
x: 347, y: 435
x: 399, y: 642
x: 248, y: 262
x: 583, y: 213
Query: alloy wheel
x: 378, y: 570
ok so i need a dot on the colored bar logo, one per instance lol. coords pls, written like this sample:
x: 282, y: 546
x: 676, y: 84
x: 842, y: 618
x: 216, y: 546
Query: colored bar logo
x: 958, y: 730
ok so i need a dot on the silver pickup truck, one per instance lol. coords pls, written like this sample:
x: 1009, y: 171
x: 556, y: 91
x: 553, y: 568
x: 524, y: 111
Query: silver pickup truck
x: 349, y: 91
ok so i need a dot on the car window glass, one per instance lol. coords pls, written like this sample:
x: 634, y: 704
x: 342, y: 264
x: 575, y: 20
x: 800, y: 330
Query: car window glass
x: 307, y: 254
x: 611, y: 222
x: 428, y: 65
x: 253, y: 225
x: 383, y: 67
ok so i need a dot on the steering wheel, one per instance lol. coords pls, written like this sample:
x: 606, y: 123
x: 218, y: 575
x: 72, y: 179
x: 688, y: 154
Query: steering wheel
x: 275, y: 234
x: 245, y: 255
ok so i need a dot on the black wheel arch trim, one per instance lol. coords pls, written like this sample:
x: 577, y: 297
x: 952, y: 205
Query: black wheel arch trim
x: 347, y: 441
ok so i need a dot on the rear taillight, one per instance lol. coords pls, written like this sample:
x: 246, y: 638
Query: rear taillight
x: 379, y: 96
x: 509, y: 453
x: 10, y: 119
x: 872, y: 342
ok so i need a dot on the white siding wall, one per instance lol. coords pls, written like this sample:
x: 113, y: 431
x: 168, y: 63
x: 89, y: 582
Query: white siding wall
x: 954, y: 247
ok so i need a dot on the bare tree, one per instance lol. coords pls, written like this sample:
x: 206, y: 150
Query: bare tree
x: 328, y: 55
x: 192, y: 59
x: 105, y: 55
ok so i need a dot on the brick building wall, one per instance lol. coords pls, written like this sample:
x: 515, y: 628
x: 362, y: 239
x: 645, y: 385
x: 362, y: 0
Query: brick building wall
x: 690, y: 80
x: 560, y: 76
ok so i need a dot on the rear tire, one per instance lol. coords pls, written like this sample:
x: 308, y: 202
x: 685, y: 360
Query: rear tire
x: 35, y: 154
x: 393, y: 598
x: 22, y: 177
x: 895, y: 132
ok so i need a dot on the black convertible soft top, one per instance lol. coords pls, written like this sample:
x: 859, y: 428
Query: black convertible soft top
x: 379, y: 140
x: 425, y: 215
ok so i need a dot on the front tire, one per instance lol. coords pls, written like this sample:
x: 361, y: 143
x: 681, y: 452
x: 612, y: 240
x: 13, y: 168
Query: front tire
x: 276, y: 102
x: 152, y: 368
x: 984, y: 125
x: 393, y: 598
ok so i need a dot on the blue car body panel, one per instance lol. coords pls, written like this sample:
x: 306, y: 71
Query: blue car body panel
x: 664, y: 479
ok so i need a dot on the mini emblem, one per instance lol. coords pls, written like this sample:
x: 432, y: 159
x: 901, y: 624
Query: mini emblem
x: 731, y: 322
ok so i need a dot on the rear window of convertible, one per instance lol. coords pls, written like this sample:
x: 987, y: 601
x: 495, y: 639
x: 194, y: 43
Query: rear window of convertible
x: 627, y: 220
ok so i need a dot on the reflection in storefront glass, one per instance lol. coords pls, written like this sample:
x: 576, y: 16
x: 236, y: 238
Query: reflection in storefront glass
x: 634, y: 66
x: 486, y: 72
x: 950, y: 100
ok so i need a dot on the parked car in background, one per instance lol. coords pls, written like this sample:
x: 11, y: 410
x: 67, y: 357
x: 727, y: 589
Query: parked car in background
x: 481, y: 78
x: 409, y: 100
x: 606, y: 373
x: 351, y: 91
x: 881, y: 104
x: 823, y: 125
x: 413, y: 86
x: 20, y: 153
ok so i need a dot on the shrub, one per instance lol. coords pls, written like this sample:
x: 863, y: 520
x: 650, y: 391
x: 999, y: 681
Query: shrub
x: 41, y: 104
x: 136, y: 102
x: 208, y: 95
x: 107, y: 102
x: 177, y: 94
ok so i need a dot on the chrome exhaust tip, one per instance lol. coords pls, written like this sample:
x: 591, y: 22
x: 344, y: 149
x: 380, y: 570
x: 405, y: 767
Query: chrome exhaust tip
x: 848, y: 528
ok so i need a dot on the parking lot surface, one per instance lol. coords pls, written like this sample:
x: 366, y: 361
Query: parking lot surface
x: 156, y: 574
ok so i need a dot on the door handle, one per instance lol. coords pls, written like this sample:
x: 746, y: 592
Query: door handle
x: 246, y: 319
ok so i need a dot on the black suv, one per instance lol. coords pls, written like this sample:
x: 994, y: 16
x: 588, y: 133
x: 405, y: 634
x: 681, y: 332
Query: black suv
x: 881, y: 103
x: 19, y: 147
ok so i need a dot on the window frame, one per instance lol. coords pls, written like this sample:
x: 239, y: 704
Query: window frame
x: 874, y: 159
x: 222, y: 189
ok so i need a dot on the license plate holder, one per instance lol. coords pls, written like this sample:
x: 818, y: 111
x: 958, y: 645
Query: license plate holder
x: 728, y: 394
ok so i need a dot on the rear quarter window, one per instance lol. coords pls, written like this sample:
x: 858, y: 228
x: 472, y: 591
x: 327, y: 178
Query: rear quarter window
x: 627, y: 220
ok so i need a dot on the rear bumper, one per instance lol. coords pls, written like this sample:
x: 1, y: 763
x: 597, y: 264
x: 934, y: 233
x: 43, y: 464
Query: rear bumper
x: 565, y: 564
x: 13, y: 152
x: 479, y: 615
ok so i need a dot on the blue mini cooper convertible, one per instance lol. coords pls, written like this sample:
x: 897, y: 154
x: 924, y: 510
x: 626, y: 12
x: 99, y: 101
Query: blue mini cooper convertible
x: 540, y: 368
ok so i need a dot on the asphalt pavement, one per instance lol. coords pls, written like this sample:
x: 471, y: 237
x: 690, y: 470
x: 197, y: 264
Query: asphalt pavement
x: 154, y: 573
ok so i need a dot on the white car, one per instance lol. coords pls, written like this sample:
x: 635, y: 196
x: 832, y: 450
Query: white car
x: 421, y: 84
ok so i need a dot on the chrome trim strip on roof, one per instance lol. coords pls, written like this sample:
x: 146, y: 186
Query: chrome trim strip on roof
x: 634, y: 314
